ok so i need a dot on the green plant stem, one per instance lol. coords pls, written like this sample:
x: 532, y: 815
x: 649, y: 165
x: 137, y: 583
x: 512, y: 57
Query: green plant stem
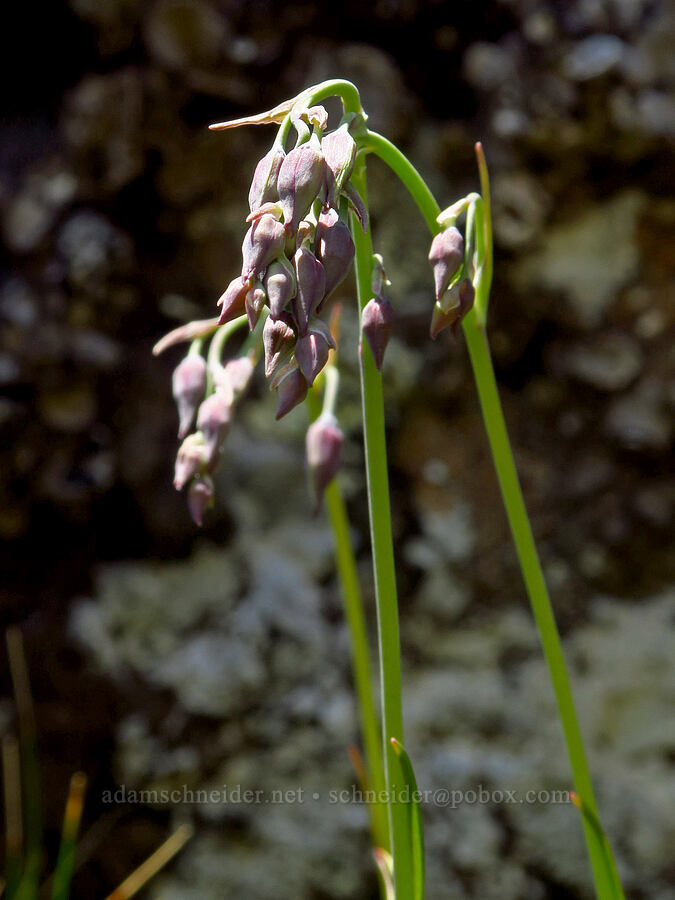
x: 360, y: 651
x: 383, y: 563
x: 493, y: 416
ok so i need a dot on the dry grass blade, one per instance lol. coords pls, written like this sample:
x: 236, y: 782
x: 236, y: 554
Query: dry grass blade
x: 273, y: 116
x: 71, y: 825
x: 140, y: 877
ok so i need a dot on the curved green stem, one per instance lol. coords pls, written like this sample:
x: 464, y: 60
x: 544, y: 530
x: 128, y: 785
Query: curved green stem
x: 514, y: 503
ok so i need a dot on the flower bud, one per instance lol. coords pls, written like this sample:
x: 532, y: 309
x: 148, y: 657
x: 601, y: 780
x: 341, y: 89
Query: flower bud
x: 335, y: 249
x: 356, y: 204
x: 263, y: 242
x: 264, y: 184
x: 446, y: 256
x: 255, y: 300
x: 213, y: 420
x: 324, y: 451
x: 339, y: 150
x: 233, y: 300
x: 311, y: 286
x: 311, y: 354
x: 301, y: 178
x: 376, y: 323
x: 234, y: 377
x: 280, y: 285
x: 190, y: 460
x: 189, y: 386
x: 450, y: 316
x: 291, y: 391
x: 278, y: 341
x: 200, y: 498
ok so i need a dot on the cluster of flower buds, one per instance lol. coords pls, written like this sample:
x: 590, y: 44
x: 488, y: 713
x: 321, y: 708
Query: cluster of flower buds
x: 452, y: 261
x: 297, y: 250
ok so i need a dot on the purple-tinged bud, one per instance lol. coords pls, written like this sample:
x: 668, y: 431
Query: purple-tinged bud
x: 311, y: 287
x: 280, y: 285
x: 213, y: 420
x: 339, y: 150
x: 291, y: 391
x: 200, y: 498
x: 232, y: 302
x: 378, y: 278
x: 306, y: 233
x: 264, y: 184
x: 255, y: 300
x: 311, y: 354
x: 301, y: 178
x: 356, y: 204
x: 263, y: 242
x: 269, y: 208
x: 376, y: 323
x: 446, y: 256
x: 450, y: 316
x: 335, y: 249
x: 278, y: 341
x: 189, y: 386
x: 190, y: 460
x: 324, y: 451
x: 234, y: 377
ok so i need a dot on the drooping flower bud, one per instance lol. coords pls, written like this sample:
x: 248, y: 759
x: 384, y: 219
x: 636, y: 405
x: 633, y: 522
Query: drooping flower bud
x: 291, y: 391
x: 311, y: 287
x: 233, y: 300
x: 356, y: 204
x: 280, y: 285
x: 264, y: 184
x: 324, y: 451
x: 335, y: 249
x: 213, y: 420
x: 301, y: 178
x: 189, y: 385
x: 447, y: 315
x: 234, y: 377
x: 311, y: 354
x: 190, y: 460
x: 446, y: 256
x: 263, y: 242
x: 278, y: 341
x: 378, y: 278
x: 200, y: 498
x: 339, y: 150
x: 376, y: 323
x: 255, y: 300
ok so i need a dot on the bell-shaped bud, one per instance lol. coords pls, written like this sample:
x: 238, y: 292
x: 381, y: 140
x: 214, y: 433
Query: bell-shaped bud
x: 291, y: 391
x: 278, y: 342
x: 232, y: 302
x: 324, y: 451
x: 356, y: 204
x: 200, y: 498
x: 446, y: 256
x: 311, y: 287
x: 301, y: 179
x: 376, y: 323
x: 255, y: 300
x: 449, y: 314
x: 234, y: 377
x: 263, y: 242
x: 264, y: 184
x: 189, y: 386
x: 280, y: 285
x: 213, y: 420
x: 311, y: 354
x: 190, y: 460
x: 334, y: 248
x: 339, y: 150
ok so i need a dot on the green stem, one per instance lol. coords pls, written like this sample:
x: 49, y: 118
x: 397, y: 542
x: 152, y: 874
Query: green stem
x: 383, y: 563
x: 493, y: 416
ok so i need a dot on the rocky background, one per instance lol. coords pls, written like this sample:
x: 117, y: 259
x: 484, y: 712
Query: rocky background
x: 163, y: 657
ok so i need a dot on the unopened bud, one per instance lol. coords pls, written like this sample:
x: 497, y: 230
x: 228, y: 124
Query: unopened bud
x: 234, y: 377
x: 264, y: 184
x: 278, y: 341
x: 301, y: 178
x: 311, y: 354
x: 324, y: 452
x: 447, y: 315
x: 446, y: 256
x: 263, y: 242
x: 339, y: 150
x: 378, y: 278
x: 255, y: 300
x: 335, y: 249
x: 189, y: 385
x: 376, y: 323
x: 280, y: 284
x: 356, y: 204
x: 232, y: 302
x: 311, y: 286
x: 190, y: 460
x: 200, y: 498
x: 213, y: 420
x: 291, y: 391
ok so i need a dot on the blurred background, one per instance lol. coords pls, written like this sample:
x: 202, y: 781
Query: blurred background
x: 163, y: 656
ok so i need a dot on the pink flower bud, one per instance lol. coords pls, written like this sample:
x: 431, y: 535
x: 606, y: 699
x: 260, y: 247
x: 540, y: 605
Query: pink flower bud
x: 278, y: 341
x: 264, y: 184
x: 324, y: 451
x: 213, y: 420
x: 356, y: 204
x: 311, y: 354
x: 263, y: 242
x: 301, y: 177
x: 446, y: 256
x: 376, y: 323
x: 255, y: 300
x: 335, y: 249
x: 200, y: 498
x: 339, y: 150
x: 189, y: 385
x: 233, y: 300
x: 190, y: 460
x: 311, y: 286
x: 280, y: 284
x: 450, y: 316
x: 234, y: 377
x: 291, y: 391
